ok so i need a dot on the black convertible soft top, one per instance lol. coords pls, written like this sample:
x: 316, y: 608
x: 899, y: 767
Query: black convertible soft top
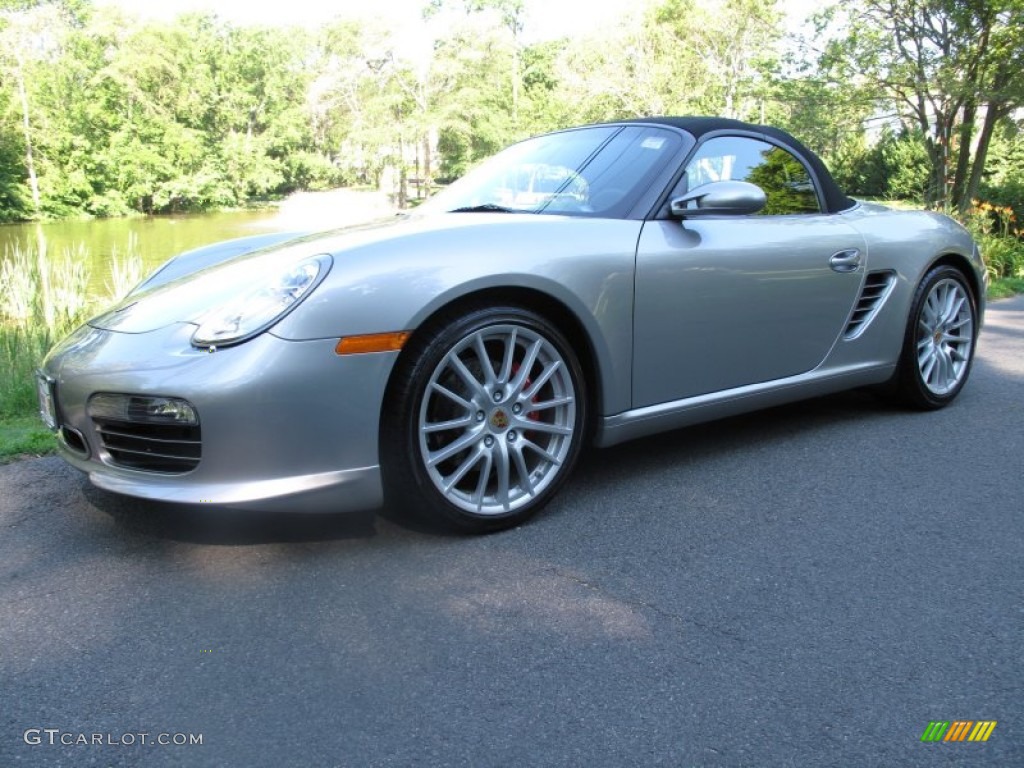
x: 835, y: 199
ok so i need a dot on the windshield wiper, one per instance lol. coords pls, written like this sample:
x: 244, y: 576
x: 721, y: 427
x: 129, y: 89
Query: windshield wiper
x: 484, y: 208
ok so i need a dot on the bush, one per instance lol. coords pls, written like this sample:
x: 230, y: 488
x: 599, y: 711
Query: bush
x: 310, y: 171
x: 1008, y: 193
x: 21, y: 351
x: 895, y: 167
x: 1004, y: 256
x: 1003, y: 181
x: 998, y: 236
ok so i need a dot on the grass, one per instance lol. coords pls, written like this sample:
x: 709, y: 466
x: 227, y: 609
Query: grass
x: 23, y: 437
x: 1004, y: 287
x: 21, y: 431
x: 21, y: 351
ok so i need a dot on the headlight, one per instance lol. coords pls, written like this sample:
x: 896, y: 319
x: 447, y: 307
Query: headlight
x: 261, y: 305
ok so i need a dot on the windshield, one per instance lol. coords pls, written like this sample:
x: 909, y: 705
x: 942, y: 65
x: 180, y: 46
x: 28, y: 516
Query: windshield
x: 598, y: 171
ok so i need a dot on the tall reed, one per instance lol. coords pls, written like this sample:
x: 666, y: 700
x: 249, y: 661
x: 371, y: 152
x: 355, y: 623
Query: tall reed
x: 126, y: 270
x: 43, y: 297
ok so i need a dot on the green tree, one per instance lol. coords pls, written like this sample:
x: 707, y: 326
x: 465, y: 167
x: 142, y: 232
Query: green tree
x: 736, y: 42
x: 945, y: 65
x: 15, y: 197
x: 828, y: 119
x: 677, y: 57
x: 30, y: 37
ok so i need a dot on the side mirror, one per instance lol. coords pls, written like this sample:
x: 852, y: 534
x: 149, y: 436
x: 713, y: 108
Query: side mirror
x: 720, y: 198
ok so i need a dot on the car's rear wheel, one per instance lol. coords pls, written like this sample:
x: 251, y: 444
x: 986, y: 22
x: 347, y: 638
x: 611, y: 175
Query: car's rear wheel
x: 488, y: 418
x: 938, y: 348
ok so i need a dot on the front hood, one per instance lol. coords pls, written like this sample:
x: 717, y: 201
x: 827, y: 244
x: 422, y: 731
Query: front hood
x: 187, y: 299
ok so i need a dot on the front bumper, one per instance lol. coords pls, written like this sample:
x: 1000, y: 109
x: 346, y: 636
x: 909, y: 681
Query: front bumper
x: 286, y: 425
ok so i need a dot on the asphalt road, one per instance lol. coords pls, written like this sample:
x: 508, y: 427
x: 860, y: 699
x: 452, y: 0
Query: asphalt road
x: 810, y: 586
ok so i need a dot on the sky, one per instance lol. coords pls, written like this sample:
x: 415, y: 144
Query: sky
x: 546, y: 19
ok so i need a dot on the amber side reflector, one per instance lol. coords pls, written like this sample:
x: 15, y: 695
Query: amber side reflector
x: 372, y: 342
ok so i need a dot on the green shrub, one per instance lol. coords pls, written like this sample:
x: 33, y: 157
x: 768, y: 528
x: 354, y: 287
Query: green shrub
x: 995, y: 229
x: 309, y: 170
x: 1004, y: 256
x: 21, y: 351
x: 894, y: 167
x: 1008, y: 193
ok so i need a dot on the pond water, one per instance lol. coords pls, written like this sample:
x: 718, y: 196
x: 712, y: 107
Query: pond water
x: 157, y: 238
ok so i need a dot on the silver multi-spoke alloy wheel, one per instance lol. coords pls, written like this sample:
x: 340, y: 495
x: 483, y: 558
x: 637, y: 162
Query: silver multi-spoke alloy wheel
x: 945, y: 336
x: 497, y: 419
x: 938, y: 346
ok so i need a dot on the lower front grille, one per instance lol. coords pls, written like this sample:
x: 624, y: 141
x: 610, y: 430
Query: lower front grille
x: 167, y: 448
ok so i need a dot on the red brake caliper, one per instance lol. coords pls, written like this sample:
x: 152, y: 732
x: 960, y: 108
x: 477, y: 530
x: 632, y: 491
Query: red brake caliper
x: 532, y: 416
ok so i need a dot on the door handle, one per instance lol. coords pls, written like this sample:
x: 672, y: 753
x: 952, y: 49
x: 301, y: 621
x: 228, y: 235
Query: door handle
x: 845, y: 261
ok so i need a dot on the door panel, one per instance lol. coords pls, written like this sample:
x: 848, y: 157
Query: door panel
x: 721, y: 303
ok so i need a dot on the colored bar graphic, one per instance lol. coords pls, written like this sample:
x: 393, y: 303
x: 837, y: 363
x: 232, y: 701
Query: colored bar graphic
x: 958, y: 730
x: 982, y: 730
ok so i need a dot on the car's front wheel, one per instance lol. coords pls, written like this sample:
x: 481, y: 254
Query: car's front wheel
x: 938, y: 348
x: 486, y: 419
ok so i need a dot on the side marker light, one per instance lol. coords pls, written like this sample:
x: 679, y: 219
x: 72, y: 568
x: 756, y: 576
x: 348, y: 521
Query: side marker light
x: 372, y: 342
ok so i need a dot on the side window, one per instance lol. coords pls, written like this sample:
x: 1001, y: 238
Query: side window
x: 784, y: 179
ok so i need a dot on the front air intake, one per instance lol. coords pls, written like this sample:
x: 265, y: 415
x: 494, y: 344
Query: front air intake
x: 147, y: 432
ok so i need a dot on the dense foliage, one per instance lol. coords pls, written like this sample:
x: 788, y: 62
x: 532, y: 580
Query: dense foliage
x: 950, y: 71
x: 102, y: 114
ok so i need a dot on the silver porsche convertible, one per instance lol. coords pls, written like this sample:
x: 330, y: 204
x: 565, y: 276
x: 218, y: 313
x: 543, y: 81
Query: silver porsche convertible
x: 589, y: 286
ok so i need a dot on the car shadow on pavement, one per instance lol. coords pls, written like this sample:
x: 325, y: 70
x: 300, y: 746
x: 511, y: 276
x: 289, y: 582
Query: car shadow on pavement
x: 211, y: 524
x: 736, y: 433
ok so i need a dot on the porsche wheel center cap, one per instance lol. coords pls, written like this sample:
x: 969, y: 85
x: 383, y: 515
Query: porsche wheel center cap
x: 499, y: 419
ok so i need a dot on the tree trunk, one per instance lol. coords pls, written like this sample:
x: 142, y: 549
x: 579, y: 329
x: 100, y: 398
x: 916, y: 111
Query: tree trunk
x: 515, y: 82
x: 26, y: 124
x: 937, y: 173
x: 992, y: 116
x: 963, y: 159
x: 427, y: 170
x: 403, y: 178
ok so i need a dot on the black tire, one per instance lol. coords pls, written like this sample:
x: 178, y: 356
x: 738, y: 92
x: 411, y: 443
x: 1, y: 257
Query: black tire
x: 939, y: 343
x: 475, y: 451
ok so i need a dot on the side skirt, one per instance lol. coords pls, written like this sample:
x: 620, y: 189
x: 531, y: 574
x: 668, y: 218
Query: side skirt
x: 662, y: 417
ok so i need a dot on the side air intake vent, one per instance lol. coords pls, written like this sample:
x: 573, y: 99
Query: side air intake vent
x: 877, y: 287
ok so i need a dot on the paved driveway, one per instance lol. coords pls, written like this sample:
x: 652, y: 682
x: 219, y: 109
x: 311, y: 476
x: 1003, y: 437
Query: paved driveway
x: 810, y: 586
